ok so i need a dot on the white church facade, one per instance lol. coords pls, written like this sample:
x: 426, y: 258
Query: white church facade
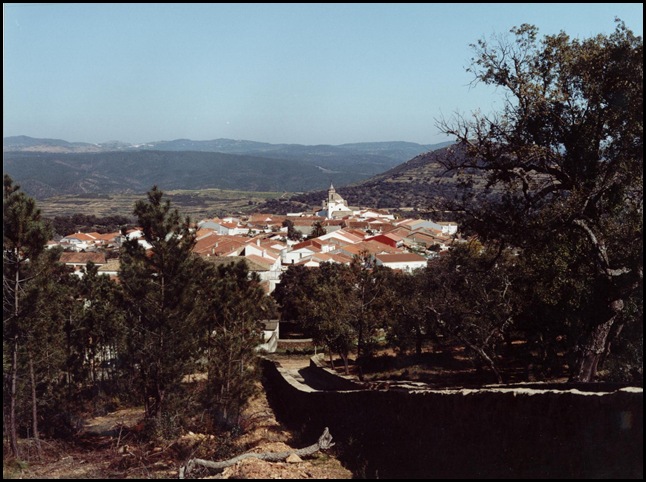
x: 334, y: 207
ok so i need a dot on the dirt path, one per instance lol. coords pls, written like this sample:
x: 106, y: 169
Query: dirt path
x: 112, y: 423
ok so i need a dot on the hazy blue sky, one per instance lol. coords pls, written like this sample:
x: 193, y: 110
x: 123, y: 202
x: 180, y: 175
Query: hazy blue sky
x: 280, y: 73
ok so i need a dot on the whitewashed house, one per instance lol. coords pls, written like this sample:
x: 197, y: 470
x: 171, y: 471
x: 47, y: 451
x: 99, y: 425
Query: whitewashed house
x: 405, y: 262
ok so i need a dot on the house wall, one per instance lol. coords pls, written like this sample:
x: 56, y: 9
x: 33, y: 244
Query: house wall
x: 288, y: 257
x: 486, y: 433
x: 209, y: 225
x: 305, y: 229
x: 273, y: 275
x: 75, y: 244
x: 240, y: 231
x: 253, y: 249
x: 405, y: 266
x: 330, y: 228
x: 449, y: 228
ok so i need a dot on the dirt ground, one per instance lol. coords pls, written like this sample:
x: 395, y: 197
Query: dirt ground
x: 450, y: 367
x: 107, y: 448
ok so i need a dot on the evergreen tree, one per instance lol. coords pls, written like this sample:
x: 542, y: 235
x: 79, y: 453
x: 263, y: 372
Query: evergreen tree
x: 470, y: 300
x: 292, y: 233
x: 369, y: 296
x: 317, y: 230
x: 157, y: 287
x: 232, y: 306
x: 411, y: 316
x: 24, y: 236
x: 98, y: 332
x: 49, y: 297
x: 330, y: 316
x: 294, y: 293
x: 340, y: 306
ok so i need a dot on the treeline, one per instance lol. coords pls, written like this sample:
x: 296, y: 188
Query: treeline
x: 492, y: 304
x: 77, y: 345
x: 65, y: 225
x: 551, y: 186
x: 47, y: 174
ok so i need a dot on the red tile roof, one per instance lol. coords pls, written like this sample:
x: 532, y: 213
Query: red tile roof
x: 81, y: 236
x: 267, y: 263
x: 74, y: 258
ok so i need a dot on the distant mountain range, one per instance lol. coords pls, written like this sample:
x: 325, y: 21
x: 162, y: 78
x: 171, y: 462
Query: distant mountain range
x: 49, y: 167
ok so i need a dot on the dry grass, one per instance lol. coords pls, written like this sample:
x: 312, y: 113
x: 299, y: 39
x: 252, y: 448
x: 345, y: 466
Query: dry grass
x: 110, y: 447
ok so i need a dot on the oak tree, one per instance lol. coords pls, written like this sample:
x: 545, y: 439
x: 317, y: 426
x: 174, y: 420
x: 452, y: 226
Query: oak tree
x: 564, y: 157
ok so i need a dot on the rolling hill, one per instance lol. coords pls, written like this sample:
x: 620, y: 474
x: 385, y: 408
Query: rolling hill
x: 420, y: 184
x: 49, y: 167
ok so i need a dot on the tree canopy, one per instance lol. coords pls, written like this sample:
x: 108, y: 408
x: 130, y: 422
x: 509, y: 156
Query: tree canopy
x: 158, y: 294
x: 24, y: 235
x: 563, y: 163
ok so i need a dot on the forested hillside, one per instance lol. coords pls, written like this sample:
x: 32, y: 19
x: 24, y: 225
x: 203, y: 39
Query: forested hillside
x: 43, y: 175
x: 49, y: 167
x: 422, y: 184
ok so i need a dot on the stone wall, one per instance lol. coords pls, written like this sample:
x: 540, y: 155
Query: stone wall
x: 486, y: 433
x: 330, y: 377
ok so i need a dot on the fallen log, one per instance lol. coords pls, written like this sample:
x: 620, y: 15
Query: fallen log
x: 324, y: 442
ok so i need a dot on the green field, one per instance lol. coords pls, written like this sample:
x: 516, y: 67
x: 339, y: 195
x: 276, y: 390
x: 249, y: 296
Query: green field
x: 197, y: 204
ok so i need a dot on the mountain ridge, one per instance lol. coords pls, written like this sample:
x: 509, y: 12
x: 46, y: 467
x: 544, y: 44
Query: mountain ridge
x: 46, y: 167
x: 223, y: 144
x: 421, y: 184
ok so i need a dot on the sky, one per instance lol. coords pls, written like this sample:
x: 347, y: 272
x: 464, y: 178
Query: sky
x: 310, y: 73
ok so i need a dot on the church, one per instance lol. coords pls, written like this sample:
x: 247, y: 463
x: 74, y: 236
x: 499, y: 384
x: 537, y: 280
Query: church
x: 334, y: 207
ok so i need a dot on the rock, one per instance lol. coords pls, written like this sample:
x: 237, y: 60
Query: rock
x: 293, y: 459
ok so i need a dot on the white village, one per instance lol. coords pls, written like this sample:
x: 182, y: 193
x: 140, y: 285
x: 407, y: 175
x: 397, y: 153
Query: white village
x: 269, y: 244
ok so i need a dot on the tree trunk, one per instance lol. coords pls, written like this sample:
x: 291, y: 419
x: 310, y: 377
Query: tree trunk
x: 418, y: 341
x: 596, y: 346
x: 159, y: 399
x: 92, y: 356
x: 360, y: 340
x: 344, y: 357
x: 68, y: 361
x: 144, y: 392
x: 34, y: 404
x: 324, y: 443
x: 487, y: 359
x: 491, y: 364
x: 13, y: 437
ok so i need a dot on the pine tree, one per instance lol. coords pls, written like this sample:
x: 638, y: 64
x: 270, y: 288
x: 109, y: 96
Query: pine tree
x: 99, y: 326
x: 157, y: 286
x: 23, y: 240
x: 49, y: 298
x: 233, y: 305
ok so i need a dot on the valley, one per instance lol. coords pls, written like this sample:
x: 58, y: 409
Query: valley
x: 198, y: 204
